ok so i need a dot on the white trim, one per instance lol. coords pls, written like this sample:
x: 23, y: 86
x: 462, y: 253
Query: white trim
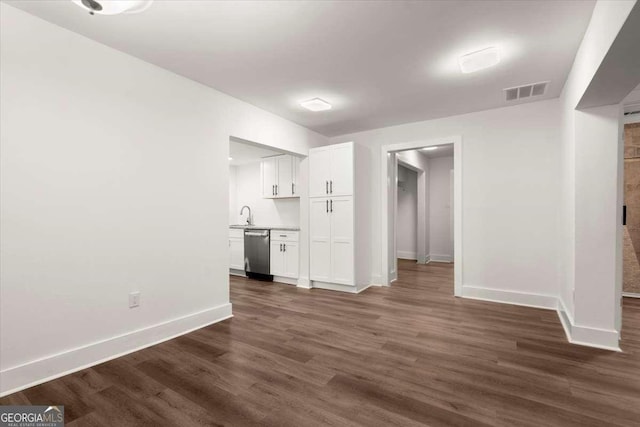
x: 338, y: 287
x: 36, y: 372
x: 510, y: 297
x: 457, y: 215
x: 587, y: 336
x: 440, y: 258
x: 304, y: 282
x: 285, y: 280
x: 576, y: 334
x: 631, y: 118
x: 407, y: 255
x: 239, y: 273
x: 630, y: 295
x: 376, y: 280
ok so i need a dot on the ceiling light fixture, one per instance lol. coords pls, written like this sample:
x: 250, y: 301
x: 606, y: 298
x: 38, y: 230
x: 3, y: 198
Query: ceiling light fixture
x: 113, y: 7
x: 230, y: 158
x: 316, y: 104
x: 430, y: 148
x: 479, y: 60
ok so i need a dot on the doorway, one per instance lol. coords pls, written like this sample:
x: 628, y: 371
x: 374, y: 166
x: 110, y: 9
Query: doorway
x: 631, y: 228
x: 444, y: 217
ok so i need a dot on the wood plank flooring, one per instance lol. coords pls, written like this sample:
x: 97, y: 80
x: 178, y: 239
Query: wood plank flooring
x: 407, y: 355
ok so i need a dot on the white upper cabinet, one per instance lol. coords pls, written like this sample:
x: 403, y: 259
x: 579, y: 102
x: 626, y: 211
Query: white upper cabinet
x: 280, y: 177
x: 331, y: 170
x: 341, y: 183
x: 319, y: 172
x: 269, y: 169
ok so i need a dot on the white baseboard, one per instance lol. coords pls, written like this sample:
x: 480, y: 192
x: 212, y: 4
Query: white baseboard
x: 424, y: 260
x: 407, y: 255
x: 304, y: 282
x: 335, y: 287
x: 509, y: 297
x: 440, y: 258
x: 51, y: 367
x: 576, y: 334
x: 234, y: 272
x: 285, y: 280
x: 587, y: 336
x: 630, y: 295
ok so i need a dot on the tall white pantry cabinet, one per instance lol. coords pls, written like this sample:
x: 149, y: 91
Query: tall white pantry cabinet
x: 339, y: 226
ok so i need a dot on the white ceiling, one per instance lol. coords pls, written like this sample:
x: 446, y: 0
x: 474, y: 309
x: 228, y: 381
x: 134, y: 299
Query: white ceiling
x: 379, y: 63
x: 243, y: 153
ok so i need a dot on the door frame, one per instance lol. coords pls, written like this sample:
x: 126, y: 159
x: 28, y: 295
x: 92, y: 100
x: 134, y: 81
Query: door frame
x: 629, y: 119
x: 385, y: 151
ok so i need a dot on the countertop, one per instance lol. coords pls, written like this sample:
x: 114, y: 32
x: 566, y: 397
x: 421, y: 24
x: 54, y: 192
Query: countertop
x: 264, y: 227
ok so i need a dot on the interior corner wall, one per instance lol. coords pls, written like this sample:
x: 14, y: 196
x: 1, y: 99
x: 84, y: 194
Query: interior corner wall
x: 590, y: 142
x: 510, y: 195
x: 106, y: 189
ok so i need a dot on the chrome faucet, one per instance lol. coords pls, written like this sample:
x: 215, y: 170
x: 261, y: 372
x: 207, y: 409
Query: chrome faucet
x: 249, y: 218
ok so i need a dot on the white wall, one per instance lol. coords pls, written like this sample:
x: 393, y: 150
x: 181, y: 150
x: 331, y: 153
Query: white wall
x: 407, y: 221
x: 234, y: 213
x: 591, y: 155
x: 114, y: 178
x: 265, y: 211
x: 440, y: 236
x: 510, y: 225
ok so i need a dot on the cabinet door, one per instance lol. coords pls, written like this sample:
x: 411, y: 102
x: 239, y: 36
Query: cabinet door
x: 236, y: 254
x: 341, y: 212
x: 291, y: 260
x: 319, y: 172
x: 284, y: 184
x: 269, y: 169
x: 295, y: 162
x: 341, y: 165
x: 319, y: 240
x: 276, y: 259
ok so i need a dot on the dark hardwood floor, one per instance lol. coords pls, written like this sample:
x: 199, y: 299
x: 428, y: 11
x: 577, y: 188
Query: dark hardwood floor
x: 407, y: 355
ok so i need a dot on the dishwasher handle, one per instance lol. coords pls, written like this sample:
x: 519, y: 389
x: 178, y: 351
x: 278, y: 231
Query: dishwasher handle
x: 256, y: 233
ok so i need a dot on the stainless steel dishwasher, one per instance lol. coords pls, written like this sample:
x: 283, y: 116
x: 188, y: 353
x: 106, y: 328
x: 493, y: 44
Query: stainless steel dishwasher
x: 256, y: 254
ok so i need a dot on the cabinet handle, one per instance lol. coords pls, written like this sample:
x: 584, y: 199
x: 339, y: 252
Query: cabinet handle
x: 331, y: 187
x: 273, y: 190
x: 326, y: 187
x: 331, y: 210
x: 293, y: 191
x: 285, y: 247
x: 276, y: 189
x: 327, y: 206
x: 280, y: 247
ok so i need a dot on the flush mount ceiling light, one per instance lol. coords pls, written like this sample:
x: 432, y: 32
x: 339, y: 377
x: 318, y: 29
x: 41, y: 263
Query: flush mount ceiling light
x: 230, y: 158
x: 113, y: 7
x: 479, y: 60
x: 316, y: 104
x: 430, y: 148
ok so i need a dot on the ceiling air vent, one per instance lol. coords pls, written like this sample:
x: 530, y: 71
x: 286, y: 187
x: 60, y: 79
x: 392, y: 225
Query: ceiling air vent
x: 526, y: 91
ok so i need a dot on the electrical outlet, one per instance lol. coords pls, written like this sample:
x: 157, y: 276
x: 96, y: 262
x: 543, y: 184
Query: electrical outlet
x: 134, y: 299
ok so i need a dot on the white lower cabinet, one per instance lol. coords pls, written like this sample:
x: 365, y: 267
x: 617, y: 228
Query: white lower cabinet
x: 284, y: 257
x: 331, y: 240
x: 236, y: 249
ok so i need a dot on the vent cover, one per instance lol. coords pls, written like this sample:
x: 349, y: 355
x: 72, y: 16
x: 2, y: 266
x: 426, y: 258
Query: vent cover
x: 526, y: 91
